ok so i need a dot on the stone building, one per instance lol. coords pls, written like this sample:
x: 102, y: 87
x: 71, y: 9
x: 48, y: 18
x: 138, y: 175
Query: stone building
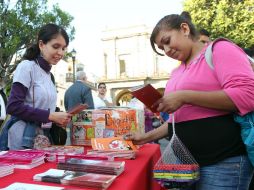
x: 130, y: 61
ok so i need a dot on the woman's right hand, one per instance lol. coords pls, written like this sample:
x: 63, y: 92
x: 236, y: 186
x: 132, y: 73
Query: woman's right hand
x: 137, y: 138
x: 61, y: 118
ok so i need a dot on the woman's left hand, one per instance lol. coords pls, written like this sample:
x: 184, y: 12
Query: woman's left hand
x: 171, y: 102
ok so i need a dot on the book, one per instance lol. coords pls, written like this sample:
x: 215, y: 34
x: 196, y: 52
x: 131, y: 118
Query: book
x: 148, y: 95
x: 78, y: 108
x: 112, y: 143
x: 93, y: 166
x: 22, y: 159
x: 81, y: 179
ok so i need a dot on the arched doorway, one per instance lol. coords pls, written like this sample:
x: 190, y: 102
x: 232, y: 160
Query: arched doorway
x: 123, y: 98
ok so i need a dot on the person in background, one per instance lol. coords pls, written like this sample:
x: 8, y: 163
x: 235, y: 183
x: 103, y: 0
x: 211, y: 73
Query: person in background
x: 164, y: 116
x: 33, y: 94
x: 149, y: 116
x: 101, y: 100
x: 78, y: 93
x: 3, y: 102
x: 204, y: 36
x: 203, y: 101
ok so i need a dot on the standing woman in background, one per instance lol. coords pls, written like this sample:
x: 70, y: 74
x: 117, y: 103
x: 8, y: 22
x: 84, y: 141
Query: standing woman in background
x: 33, y: 94
x: 203, y: 101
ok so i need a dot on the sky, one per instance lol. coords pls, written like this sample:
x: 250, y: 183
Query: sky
x: 91, y: 17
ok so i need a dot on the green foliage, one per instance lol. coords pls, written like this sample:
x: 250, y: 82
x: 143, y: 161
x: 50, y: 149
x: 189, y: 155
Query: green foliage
x: 233, y: 19
x: 20, y: 21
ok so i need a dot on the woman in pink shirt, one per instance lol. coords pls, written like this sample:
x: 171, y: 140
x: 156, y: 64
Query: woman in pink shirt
x: 203, y: 101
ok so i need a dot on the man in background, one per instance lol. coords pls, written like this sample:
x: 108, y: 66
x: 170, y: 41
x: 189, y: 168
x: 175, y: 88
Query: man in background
x: 101, y: 100
x: 204, y: 36
x: 78, y: 93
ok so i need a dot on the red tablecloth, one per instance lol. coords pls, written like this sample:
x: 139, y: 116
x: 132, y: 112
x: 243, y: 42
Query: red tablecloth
x: 137, y: 175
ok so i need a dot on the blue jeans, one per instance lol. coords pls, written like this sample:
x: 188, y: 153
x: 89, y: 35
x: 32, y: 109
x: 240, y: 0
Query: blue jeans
x: 230, y: 174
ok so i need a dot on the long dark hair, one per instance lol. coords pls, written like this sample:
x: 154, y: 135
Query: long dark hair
x: 172, y: 21
x: 46, y: 33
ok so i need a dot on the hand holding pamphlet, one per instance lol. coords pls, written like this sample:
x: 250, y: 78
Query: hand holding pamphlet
x: 78, y: 108
x: 148, y: 95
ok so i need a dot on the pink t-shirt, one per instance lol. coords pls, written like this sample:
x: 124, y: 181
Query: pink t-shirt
x: 232, y: 73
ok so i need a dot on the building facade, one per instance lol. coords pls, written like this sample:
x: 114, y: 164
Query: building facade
x: 130, y: 61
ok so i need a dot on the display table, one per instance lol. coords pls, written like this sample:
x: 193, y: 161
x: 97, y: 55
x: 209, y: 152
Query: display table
x: 137, y: 175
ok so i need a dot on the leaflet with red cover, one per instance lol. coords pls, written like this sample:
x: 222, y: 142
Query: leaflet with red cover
x: 148, y: 95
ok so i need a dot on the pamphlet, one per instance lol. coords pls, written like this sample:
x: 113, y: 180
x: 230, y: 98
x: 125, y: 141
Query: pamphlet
x: 148, y: 95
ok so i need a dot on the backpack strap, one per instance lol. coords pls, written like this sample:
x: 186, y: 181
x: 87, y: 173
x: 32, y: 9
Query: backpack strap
x: 209, y: 52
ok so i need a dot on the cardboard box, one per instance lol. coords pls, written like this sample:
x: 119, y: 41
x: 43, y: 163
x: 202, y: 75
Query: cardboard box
x: 108, y: 122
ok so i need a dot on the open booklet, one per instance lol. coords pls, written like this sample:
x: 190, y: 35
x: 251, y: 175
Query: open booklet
x: 147, y: 94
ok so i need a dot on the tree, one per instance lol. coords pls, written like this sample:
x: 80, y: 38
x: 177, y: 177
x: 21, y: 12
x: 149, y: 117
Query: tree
x: 233, y: 19
x: 20, y: 21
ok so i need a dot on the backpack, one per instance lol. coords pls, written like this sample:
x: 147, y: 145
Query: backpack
x: 247, y: 121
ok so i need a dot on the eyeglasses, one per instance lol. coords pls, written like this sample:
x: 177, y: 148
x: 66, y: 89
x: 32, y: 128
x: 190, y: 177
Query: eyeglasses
x: 102, y: 87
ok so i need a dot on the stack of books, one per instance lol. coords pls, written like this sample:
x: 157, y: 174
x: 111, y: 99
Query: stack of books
x: 6, y: 169
x: 112, y: 154
x: 56, y: 153
x: 81, y: 179
x: 93, y: 166
x: 22, y: 159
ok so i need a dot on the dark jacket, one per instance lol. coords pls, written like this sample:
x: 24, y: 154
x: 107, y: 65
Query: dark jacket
x: 76, y: 94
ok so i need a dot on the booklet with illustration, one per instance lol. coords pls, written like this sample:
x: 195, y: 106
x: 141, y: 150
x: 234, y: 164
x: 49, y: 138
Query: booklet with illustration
x: 147, y: 94
x: 81, y: 179
x: 112, y: 143
x: 78, y: 108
